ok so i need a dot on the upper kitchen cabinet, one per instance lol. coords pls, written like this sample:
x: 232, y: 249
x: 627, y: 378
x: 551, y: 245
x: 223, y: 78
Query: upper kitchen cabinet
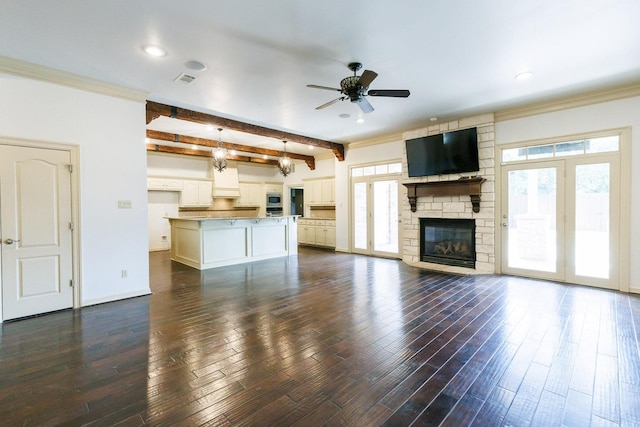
x: 320, y: 192
x: 251, y: 194
x: 196, y: 193
x: 164, y: 184
x: 271, y: 187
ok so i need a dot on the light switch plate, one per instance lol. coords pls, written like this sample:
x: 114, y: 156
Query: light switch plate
x: 124, y: 204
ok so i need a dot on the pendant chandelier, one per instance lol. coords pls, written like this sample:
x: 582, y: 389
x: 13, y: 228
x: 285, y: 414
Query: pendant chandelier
x: 219, y: 154
x: 284, y: 163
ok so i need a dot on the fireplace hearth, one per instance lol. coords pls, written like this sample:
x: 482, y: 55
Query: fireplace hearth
x: 448, y: 241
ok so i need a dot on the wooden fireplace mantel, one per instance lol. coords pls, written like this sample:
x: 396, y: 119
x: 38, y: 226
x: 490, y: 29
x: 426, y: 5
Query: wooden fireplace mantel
x: 461, y: 187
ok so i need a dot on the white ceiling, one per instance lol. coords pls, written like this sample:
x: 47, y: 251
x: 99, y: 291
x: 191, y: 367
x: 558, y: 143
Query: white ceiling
x: 457, y: 58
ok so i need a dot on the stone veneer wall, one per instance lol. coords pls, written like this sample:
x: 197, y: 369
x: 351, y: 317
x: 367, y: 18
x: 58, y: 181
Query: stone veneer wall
x: 455, y: 206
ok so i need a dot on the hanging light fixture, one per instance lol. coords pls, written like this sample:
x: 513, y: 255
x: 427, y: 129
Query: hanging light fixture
x: 219, y: 154
x: 284, y: 163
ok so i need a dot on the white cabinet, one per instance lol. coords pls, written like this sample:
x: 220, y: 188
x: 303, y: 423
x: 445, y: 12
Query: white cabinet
x: 196, y: 193
x: 320, y: 192
x: 271, y: 187
x: 164, y: 184
x: 251, y: 194
x: 317, y: 232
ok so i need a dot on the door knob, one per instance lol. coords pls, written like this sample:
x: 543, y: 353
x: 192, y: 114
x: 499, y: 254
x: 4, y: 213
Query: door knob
x: 10, y: 241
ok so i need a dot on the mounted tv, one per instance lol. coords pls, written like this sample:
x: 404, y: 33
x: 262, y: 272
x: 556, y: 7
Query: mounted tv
x: 448, y: 153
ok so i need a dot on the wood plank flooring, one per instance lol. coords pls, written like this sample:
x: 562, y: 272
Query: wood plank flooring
x: 328, y: 339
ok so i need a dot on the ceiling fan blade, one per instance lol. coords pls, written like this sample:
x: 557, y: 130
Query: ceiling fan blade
x: 325, y: 105
x: 323, y: 87
x: 364, y: 105
x: 397, y: 93
x: 367, y: 77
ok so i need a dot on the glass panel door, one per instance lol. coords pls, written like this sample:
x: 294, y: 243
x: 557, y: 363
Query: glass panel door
x: 376, y: 216
x: 559, y: 220
x: 360, y: 217
x: 592, y: 227
x: 532, y: 233
x: 385, y: 216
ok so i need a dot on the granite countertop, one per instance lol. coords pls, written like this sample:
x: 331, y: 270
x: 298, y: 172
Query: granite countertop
x: 235, y: 218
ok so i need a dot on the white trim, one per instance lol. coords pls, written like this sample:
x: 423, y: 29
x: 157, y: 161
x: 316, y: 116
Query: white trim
x: 568, y: 102
x: 38, y: 72
x: 111, y: 298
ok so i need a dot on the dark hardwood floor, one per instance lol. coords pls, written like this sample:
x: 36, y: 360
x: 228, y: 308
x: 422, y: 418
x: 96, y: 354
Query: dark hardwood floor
x: 333, y: 339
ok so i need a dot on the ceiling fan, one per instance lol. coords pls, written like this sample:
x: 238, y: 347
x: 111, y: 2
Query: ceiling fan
x: 355, y: 89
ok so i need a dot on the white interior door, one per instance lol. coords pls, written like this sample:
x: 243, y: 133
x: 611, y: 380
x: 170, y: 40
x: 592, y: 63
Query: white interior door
x: 35, y: 216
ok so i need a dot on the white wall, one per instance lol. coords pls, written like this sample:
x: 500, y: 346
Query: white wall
x: 110, y: 135
x: 597, y: 117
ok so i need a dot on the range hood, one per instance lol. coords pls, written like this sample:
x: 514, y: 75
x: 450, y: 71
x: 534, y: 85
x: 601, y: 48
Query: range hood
x: 225, y: 183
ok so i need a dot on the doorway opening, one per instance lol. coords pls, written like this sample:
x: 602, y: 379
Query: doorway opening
x: 296, y: 197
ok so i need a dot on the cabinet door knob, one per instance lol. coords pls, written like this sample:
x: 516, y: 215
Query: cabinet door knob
x: 10, y: 241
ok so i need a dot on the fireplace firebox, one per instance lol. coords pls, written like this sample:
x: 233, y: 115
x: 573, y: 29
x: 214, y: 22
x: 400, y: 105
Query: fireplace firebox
x: 448, y: 241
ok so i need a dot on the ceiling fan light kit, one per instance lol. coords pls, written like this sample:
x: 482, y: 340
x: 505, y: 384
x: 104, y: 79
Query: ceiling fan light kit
x: 355, y: 88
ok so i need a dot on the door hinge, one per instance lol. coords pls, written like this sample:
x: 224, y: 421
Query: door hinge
x: 72, y: 283
x: 71, y: 226
x: 69, y: 168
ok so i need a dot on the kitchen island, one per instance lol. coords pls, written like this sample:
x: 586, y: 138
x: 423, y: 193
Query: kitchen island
x: 202, y: 242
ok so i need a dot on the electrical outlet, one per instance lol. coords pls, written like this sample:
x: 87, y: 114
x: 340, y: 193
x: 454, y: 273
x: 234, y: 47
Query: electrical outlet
x: 124, y: 204
x: 124, y: 274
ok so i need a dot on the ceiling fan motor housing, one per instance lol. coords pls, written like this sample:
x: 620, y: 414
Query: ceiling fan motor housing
x: 351, y: 88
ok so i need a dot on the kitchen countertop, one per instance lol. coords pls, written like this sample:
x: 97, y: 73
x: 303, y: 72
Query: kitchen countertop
x: 207, y: 218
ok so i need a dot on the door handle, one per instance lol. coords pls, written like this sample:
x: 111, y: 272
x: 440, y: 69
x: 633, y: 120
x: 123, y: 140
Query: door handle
x: 10, y: 241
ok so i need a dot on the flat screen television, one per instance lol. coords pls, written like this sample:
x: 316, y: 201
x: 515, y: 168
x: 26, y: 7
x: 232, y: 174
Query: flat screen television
x: 448, y: 153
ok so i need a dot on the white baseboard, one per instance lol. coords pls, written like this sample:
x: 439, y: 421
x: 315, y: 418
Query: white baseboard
x: 111, y: 298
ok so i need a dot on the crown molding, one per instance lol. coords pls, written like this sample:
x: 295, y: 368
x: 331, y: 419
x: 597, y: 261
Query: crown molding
x: 38, y: 72
x: 565, y: 103
x: 382, y: 139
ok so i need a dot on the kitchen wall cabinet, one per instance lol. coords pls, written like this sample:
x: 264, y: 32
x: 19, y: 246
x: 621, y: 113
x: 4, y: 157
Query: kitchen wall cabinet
x: 196, y: 193
x: 320, y: 192
x: 164, y: 184
x: 251, y: 194
x: 271, y: 187
x: 317, y: 232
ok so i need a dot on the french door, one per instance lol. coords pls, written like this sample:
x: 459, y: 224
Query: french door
x: 559, y: 220
x: 376, y: 216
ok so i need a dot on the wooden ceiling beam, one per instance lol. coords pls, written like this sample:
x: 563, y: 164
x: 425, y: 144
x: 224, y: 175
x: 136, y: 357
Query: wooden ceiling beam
x: 199, y: 153
x: 193, y: 140
x: 155, y: 110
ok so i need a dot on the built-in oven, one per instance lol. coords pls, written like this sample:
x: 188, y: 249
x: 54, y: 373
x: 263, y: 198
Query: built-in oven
x: 274, y: 200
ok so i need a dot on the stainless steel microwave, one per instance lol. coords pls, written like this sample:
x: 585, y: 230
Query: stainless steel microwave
x: 274, y: 200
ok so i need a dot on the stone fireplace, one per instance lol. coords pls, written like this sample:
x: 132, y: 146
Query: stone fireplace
x: 446, y: 198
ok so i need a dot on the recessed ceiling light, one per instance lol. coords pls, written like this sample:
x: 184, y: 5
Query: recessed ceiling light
x: 194, y: 147
x: 154, y: 50
x: 311, y: 147
x: 359, y: 120
x: 194, y: 65
x: 433, y: 119
x: 344, y: 116
x: 233, y: 152
x: 524, y: 75
x: 264, y: 156
x: 209, y: 127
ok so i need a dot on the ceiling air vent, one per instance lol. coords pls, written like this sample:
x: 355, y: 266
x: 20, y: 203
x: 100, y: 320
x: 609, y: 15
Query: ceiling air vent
x: 184, y: 78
